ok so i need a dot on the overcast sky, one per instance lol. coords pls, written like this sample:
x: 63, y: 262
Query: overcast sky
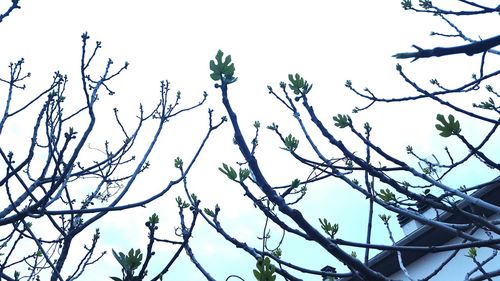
x: 327, y: 42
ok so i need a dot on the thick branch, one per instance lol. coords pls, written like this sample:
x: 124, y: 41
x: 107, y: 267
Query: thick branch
x: 468, y: 49
x: 11, y: 8
x: 294, y: 214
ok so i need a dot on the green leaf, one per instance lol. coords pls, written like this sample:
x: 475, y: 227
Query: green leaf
x: 384, y: 218
x: 426, y: 4
x: 291, y: 143
x: 181, y: 203
x: 228, y: 171
x: 256, y: 273
x: 342, y: 121
x: 130, y: 262
x: 222, y: 69
x: 386, y: 195
x: 265, y: 270
x: 209, y: 212
x: 472, y: 253
x: 244, y: 173
x: 367, y: 127
x: 409, y: 149
x: 154, y: 219
x: 448, y: 128
x: 298, y: 84
x: 277, y: 252
x: 118, y: 257
x: 330, y: 229
x: 195, y: 199
x: 116, y: 278
x: 272, y: 127
x: 406, y: 4
x: 134, y: 259
x: 488, y: 105
x: 178, y: 162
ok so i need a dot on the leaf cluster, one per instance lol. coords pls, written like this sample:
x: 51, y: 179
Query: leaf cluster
x: 488, y: 105
x: 244, y: 173
x: 472, y: 253
x: 330, y: 229
x: 129, y: 262
x: 265, y: 270
x: 387, y: 195
x: 384, y: 218
x: 406, y: 4
x: 181, y: 203
x: 211, y: 213
x: 272, y: 127
x: 425, y: 4
x: 229, y: 171
x: 154, y: 219
x: 298, y: 85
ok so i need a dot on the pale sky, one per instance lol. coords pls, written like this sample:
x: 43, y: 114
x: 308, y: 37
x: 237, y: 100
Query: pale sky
x: 325, y: 41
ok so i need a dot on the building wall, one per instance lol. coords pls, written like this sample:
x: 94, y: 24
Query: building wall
x: 457, y: 268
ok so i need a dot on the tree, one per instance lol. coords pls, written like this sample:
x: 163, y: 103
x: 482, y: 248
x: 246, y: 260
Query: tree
x: 394, y: 193
x: 46, y: 183
x: 42, y: 187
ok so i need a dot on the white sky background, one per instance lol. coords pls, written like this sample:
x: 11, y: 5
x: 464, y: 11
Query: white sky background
x: 326, y: 43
